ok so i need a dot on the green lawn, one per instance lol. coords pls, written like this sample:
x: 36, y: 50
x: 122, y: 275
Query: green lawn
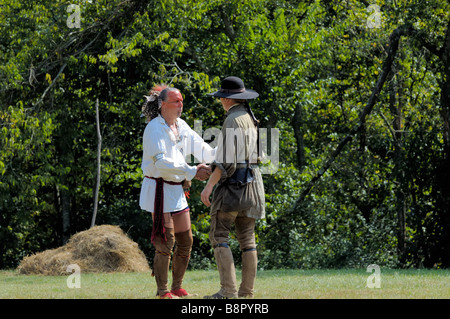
x: 270, y: 284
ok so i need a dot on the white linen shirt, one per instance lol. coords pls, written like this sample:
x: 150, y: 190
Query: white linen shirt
x: 165, y: 156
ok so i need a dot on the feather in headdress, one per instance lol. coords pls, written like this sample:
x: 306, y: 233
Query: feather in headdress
x: 150, y: 108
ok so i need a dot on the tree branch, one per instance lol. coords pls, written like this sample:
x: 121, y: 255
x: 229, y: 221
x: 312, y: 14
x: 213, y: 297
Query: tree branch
x: 199, y: 62
x: 229, y: 30
x: 50, y: 86
x: 392, y: 48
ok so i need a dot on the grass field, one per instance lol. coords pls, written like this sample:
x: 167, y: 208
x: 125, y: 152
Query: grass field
x: 270, y: 284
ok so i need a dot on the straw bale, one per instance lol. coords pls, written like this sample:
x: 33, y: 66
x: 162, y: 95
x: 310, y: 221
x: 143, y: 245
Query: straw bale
x: 104, y: 248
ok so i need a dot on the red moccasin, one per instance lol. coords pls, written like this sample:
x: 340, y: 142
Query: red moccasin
x: 180, y: 292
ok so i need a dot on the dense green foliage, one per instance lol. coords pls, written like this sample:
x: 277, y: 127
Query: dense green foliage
x: 385, y: 197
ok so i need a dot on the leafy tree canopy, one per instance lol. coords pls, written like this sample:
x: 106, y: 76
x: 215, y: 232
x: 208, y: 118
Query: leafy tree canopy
x: 340, y: 197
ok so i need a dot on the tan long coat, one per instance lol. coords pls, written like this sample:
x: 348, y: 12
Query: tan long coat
x: 238, y: 143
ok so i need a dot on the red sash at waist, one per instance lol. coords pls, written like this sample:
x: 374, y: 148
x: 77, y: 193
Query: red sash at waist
x: 158, y: 228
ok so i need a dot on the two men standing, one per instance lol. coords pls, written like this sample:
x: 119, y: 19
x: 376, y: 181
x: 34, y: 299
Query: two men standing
x: 238, y: 198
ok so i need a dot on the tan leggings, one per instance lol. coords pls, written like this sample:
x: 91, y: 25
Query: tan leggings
x: 180, y: 222
x: 221, y: 224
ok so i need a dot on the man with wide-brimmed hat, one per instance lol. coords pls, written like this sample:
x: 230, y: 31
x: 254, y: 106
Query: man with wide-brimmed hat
x: 239, y: 196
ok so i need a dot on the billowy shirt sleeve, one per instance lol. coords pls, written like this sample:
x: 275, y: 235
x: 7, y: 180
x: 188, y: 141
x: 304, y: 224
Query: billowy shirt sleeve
x: 201, y: 150
x: 161, y: 157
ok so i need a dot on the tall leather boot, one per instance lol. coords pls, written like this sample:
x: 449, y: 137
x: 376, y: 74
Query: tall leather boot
x: 180, y: 261
x: 161, y: 262
x: 249, y: 267
x: 225, y: 265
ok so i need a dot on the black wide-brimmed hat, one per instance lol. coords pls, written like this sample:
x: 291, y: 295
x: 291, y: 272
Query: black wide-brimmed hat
x: 233, y: 88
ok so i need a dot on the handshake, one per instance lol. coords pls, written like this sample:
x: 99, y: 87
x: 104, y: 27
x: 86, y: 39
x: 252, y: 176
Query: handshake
x: 203, y: 172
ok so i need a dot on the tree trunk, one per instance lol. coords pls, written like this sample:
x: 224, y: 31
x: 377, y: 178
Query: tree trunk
x: 392, y: 48
x: 445, y: 92
x: 297, y: 125
x: 444, y: 171
x: 396, y: 109
x: 64, y: 198
x: 99, y: 153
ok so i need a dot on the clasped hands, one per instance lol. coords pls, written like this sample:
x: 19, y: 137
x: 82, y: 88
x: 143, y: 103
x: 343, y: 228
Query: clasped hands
x: 203, y: 172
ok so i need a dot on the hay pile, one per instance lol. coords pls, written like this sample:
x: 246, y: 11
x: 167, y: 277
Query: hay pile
x: 103, y: 248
